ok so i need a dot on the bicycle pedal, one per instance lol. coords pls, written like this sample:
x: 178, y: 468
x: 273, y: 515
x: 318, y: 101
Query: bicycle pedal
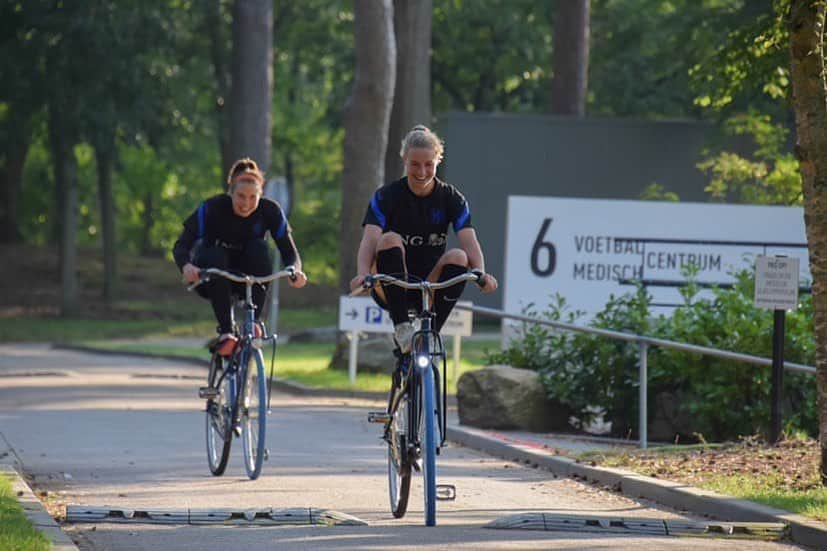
x: 446, y: 492
x: 208, y: 392
x: 379, y: 417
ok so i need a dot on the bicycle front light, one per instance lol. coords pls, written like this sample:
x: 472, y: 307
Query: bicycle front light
x: 422, y: 361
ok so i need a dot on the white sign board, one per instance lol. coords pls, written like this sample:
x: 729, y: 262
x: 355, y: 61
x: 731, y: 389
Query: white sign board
x: 581, y: 248
x: 363, y: 314
x: 776, y: 283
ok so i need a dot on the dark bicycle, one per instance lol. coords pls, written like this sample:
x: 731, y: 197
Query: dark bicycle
x: 237, y: 397
x: 416, y: 415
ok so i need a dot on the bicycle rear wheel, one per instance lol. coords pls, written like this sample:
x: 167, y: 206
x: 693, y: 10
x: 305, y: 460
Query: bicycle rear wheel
x: 429, y: 443
x: 219, y: 433
x: 399, y: 465
x: 254, y: 413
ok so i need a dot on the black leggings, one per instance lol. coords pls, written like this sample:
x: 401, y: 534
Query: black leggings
x: 390, y: 261
x: 255, y: 258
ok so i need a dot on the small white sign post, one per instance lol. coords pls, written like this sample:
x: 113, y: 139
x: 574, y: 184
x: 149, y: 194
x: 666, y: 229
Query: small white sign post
x: 360, y: 314
x: 776, y: 282
x: 776, y: 288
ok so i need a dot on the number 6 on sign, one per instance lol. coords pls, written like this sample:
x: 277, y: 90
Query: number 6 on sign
x: 539, y: 245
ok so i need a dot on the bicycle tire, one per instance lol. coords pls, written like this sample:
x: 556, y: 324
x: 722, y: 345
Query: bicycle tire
x: 428, y: 444
x: 218, y: 431
x: 399, y: 466
x: 253, y: 413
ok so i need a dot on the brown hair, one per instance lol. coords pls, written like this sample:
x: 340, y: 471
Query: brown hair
x: 245, y: 166
x: 422, y: 137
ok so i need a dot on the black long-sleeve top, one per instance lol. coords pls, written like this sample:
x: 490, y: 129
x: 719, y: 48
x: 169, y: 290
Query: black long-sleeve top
x: 215, y: 223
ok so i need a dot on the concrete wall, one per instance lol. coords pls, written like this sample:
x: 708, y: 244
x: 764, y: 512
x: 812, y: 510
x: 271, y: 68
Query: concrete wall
x: 491, y: 156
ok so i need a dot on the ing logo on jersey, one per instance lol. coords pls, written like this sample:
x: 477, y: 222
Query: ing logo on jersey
x: 433, y: 240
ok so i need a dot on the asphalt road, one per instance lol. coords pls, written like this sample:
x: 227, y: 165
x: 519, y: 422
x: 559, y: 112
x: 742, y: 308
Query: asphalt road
x: 128, y: 432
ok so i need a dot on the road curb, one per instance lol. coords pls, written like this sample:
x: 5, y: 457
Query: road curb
x: 679, y: 496
x: 35, y: 512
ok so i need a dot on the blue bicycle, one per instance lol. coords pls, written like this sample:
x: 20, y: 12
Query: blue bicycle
x: 237, y: 397
x: 416, y: 415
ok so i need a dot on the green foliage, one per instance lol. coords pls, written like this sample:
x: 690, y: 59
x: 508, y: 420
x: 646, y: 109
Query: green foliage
x: 770, y: 177
x: 16, y: 532
x: 656, y: 192
x: 593, y: 374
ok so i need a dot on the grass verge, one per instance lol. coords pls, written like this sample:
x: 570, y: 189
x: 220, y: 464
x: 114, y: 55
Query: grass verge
x: 784, y: 475
x: 308, y: 364
x: 16, y: 532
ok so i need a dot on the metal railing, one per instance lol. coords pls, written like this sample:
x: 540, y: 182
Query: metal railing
x: 645, y: 343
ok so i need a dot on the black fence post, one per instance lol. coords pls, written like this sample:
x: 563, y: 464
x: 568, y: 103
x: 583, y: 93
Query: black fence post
x: 777, y: 381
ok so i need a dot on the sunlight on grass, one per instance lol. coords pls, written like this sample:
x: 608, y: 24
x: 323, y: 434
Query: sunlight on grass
x: 15, y: 530
x: 767, y: 490
x: 307, y: 364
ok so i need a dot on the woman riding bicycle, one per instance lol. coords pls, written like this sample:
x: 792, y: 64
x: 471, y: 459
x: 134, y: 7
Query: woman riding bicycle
x: 405, y: 233
x: 227, y: 231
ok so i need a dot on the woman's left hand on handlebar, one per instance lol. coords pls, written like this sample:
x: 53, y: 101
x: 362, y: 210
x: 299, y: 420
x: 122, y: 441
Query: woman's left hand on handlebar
x: 490, y: 284
x: 299, y: 281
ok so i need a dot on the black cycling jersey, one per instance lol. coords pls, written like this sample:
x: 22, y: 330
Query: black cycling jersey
x: 421, y: 221
x: 215, y: 223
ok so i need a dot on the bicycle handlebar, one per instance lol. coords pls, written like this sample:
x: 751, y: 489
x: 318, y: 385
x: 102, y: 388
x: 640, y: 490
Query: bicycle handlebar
x: 204, y: 275
x: 477, y: 276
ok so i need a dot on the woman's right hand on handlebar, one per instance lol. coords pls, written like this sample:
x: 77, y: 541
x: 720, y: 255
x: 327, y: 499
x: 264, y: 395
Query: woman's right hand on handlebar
x: 356, y: 284
x: 191, y: 272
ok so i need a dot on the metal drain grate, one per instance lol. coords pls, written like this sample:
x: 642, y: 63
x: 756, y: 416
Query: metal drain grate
x: 286, y: 516
x: 641, y: 526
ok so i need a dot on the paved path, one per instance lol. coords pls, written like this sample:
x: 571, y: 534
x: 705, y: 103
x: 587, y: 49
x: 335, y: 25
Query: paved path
x: 127, y: 432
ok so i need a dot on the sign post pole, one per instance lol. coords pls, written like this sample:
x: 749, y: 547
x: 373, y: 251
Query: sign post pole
x: 779, y: 318
x: 353, y: 337
x: 456, y: 351
x: 776, y: 288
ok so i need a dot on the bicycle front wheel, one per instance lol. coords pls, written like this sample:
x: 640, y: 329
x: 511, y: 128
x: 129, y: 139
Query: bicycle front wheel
x: 219, y: 433
x: 399, y: 465
x: 254, y: 413
x: 428, y: 443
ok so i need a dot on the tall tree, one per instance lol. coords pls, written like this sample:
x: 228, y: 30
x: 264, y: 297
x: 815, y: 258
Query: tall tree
x: 367, y: 114
x: 251, y: 97
x: 412, y: 92
x: 570, y: 59
x: 806, y: 24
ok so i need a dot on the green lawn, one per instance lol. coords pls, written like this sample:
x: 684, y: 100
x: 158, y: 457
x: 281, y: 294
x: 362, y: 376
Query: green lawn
x: 15, y: 530
x: 139, y: 322
x: 308, y: 363
x: 769, y: 491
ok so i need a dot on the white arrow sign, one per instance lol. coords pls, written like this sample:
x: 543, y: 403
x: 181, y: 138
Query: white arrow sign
x: 363, y: 314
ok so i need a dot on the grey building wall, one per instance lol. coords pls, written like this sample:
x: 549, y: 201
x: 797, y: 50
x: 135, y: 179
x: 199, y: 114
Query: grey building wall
x: 491, y: 156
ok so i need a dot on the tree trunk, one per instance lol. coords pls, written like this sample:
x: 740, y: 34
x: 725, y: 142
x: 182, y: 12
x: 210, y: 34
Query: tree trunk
x: 570, y: 58
x: 213, y: 26
x: 146, y: 247
x: 251, y: 97
x: 412, y: 92
x: 806, y: 22
x: 366, y: 117
x: 104, y: 156
x: 65, y: 168
x: 11, y: 181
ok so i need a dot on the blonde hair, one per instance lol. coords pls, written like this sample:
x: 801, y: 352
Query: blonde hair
x: 242, y: 167
x: 422, y: 137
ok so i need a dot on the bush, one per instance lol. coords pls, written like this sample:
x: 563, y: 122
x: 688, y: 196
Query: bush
x: 719, y: 399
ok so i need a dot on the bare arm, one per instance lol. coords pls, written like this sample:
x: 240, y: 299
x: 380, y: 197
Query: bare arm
x: 468, y: 242
x: 366, y: 254
x: 467, y: 238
